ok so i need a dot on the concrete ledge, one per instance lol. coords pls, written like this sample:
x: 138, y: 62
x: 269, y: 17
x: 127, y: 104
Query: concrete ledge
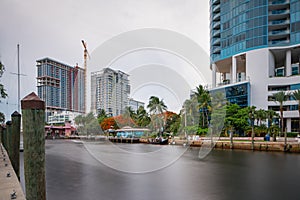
x: 10, y: 184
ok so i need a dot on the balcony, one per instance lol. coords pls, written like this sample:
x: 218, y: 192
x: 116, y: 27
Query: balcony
x: 216, y: 49
x: 279, y: 32
x: 215, y: 2
x: 279, y: 4
x: 279, y: 22
x: 284, y: 41
x: 216, y: 8
x: 279, y: 12
x: 216, y: 33
x: 216, y: 25
x: 216, y: 17
x: 216, y: 42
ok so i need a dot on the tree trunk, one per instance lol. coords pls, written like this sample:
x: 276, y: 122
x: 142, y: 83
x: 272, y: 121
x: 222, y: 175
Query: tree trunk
x: 252, y: 137
x: 285, y: 139
x: 274, y: 137
x: 281, y: 119
x: 231, y: 139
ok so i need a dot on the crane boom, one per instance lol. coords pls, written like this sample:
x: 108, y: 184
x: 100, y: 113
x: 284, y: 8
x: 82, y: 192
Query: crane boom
x: 85, y: 56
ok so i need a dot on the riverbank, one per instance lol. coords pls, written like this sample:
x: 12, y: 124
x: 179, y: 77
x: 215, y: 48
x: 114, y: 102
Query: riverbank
x: 292, y: 146
x: 243, y: 143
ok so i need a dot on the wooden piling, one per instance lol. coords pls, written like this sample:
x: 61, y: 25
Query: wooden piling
x: 9, y: 146
x: 33, y: 118
x: 4, y: 137
x: 1, y: 132
x: 15, y: 155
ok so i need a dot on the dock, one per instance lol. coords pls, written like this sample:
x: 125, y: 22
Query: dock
x: 10, y: 187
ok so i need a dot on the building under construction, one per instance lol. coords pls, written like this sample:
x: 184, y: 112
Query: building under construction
x: 61, y: 86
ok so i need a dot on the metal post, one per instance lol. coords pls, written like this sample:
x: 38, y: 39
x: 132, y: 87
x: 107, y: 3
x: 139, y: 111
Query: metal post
x: 33, y: 112
x: 16, y: 129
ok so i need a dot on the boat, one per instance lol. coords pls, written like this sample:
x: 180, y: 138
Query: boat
x: 160, y: 141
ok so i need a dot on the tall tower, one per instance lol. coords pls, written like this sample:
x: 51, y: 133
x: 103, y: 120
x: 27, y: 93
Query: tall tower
x: 255, y: 50
x: 110, y: 91
x: 60, y: 86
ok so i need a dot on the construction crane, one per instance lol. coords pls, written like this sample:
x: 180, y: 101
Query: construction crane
x: 85, y: 57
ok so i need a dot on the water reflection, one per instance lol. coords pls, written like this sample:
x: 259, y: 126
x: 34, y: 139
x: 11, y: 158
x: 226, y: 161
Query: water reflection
x: 72, y: 173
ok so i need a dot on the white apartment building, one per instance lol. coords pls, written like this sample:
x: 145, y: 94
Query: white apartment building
x: 110, y: 91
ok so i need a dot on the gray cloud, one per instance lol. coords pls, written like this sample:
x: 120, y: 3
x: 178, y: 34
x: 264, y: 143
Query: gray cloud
x: 55, y: 29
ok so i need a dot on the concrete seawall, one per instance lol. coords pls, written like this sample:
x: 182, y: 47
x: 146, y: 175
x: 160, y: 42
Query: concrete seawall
x: 10, y: 187
x: 293, y: 147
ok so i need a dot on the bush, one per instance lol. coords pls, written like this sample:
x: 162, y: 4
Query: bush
x: 292, y: 134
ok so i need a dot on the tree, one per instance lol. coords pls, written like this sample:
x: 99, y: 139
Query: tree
x: 260, y: 115
x: 251, y: 114
x: 86, y: 124
x: 142, y: 118
x: 3, y: 93
x: 109, y: 123
x: 129, y: 113
x: 281, y: 97
x: 156, y: 106
x: 271, y: 114
x: 296, y: 96
x: 101, y: 115
x: 203, y: 98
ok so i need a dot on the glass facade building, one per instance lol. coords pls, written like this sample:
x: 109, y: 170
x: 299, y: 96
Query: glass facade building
x: 241, y: 25
x: 60, y: 86
x: 256, y: 43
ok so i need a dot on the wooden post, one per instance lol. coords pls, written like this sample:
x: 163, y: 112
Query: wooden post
x: 33, y: 116
x: 4, y: 137
x: 9, y: 138
x: 1, y: 134
x: 15, y: 154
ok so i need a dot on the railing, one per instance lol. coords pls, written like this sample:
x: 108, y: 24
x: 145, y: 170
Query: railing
x: 279, y: 32
x: 283, y: 41
x: 279, y: 22
x: 279, y: 2
x: 217, y: 16
x: 279, y: 12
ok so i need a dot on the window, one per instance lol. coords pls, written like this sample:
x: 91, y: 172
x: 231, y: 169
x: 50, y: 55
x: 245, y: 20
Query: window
x: 295, y: 69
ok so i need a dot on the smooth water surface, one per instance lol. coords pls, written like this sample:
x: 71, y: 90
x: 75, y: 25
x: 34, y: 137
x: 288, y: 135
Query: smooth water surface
x: 94, y: 171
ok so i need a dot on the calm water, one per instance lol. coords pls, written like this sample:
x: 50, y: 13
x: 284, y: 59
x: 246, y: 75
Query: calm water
x: 141, y: 172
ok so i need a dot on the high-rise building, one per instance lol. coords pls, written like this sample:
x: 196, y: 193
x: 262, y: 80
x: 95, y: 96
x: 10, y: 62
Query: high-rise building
x: 110, y: 90
x: 60, y: 86
x: 255, y: 50
x: 135, y: 104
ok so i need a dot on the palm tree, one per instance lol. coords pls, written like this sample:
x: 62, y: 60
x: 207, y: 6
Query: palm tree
x: 156, y: 106
x: 203, y: 98
x: 281, y: 97
x: 260, y: 116
x: 271, y: 114
x: 142, y: 117
x: 296, y: 96
x: 251, y: 113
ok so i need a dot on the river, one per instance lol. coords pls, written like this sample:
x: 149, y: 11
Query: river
x: 97, y: 170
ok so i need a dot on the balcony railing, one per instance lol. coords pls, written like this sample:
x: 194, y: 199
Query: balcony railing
x: 277, y: 42
x: 279, y: 22
x: 216, y: 8
x: 279, y: 12
x: 278, y: 2
x: 279, y: 32
x: 216, y: 17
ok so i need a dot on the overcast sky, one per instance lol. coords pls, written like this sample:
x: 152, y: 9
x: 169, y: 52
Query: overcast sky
x: 55, y: 29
